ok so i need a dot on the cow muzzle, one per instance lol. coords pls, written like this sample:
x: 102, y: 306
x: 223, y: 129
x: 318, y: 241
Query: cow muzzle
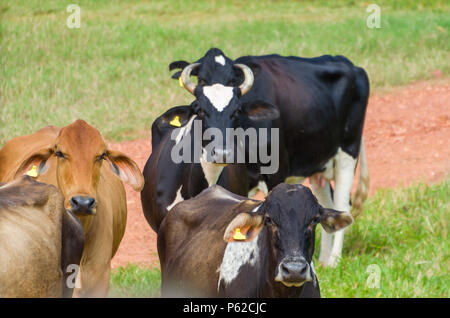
x: 83, y: 205
x: 294, y: 271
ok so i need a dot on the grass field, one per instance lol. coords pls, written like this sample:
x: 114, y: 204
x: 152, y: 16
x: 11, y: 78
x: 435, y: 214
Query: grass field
x: 402, y: 234
x: 113, y: 71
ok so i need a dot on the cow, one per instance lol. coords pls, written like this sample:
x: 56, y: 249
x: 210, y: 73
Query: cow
x: 219, y: 244
x: 322, y: 103
x: 77, y: 160
x: 168, y: 182
x: 39, y: 240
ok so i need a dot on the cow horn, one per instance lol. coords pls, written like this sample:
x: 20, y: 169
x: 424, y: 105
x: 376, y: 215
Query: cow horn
x: 248, y: 78
x: 186, y: 77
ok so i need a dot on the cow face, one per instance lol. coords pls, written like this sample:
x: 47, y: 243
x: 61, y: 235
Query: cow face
x: 221, y: 84
x: 79, y: 153
x: 218, y: 99
x: 221, y: 123
x: 221, y: 112
x: 289, y: 217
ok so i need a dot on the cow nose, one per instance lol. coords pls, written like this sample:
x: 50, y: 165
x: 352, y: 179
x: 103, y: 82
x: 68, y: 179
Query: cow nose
x: 295, y: 272
x: 83, y: 205
x: 220, y: 155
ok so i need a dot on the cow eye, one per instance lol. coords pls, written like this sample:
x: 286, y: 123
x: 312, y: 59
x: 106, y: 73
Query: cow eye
x: 201, y: 82
x: 102, y: 156
x: 59, y: 154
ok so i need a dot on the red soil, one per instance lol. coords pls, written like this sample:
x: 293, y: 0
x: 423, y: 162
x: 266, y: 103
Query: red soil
x: 407, y: 138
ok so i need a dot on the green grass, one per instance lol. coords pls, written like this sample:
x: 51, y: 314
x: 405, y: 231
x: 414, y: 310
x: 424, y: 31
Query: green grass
x: 113, y: 71
x: 403, y: 232
x: 135, y: 281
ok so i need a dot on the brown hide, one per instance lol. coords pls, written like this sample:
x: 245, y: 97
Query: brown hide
x: 30, y: 239
x: 185, y: 248
x: 78, y: 162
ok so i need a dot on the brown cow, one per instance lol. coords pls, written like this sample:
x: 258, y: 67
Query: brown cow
x: 72, y: 158
x: 38, y: 240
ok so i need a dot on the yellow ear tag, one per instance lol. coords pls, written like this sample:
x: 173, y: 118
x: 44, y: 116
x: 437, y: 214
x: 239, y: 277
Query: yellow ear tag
x: 32, y: 172
x: 180, y: 82
x: 176, y: 122
x: 238, y: 236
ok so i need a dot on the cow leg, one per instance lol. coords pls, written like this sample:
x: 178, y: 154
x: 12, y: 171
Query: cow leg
x: 344, y: 174
x: 323, y: 195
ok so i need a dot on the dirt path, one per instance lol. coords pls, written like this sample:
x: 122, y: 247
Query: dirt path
x: 407, y: 137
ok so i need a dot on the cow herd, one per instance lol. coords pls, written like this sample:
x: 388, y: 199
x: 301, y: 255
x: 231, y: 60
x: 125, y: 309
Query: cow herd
x: 257, y: 122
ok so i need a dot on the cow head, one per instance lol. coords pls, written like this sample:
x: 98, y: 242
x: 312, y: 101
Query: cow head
x: 218, y: 99
x: 289, y: 216
x: 214, y: 67
x: 79, y: 152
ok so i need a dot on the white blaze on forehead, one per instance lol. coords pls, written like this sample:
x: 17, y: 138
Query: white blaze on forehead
x: 237, y: 254
x: 220, y: 60
x: 219, y: 95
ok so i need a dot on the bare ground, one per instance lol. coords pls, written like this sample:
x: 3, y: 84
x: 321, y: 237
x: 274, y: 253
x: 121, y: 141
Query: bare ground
x: 407, y: 138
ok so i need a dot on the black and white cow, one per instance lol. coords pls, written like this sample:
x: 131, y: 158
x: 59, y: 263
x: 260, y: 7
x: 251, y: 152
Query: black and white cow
x: 168, y: 182
x: 219, y: 244
x: 322, y: 103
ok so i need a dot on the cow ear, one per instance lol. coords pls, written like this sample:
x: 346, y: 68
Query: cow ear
x: 332, y: 220
x: 176, y: 117
x: 173, y: 118
x: 176, y: 75
x: 36, y: 164
x: 178, y: 64
x: 260, y: 110
x: 243, y: 228
x: 126, y: 169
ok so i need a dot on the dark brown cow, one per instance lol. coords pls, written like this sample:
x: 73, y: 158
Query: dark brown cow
x: 76, y: 159
x: 39, y: 239
x: 219, y: 244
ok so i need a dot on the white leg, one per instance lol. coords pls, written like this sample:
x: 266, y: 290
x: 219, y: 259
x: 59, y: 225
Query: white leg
x: 344, y: 174
x: 323, y: 195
